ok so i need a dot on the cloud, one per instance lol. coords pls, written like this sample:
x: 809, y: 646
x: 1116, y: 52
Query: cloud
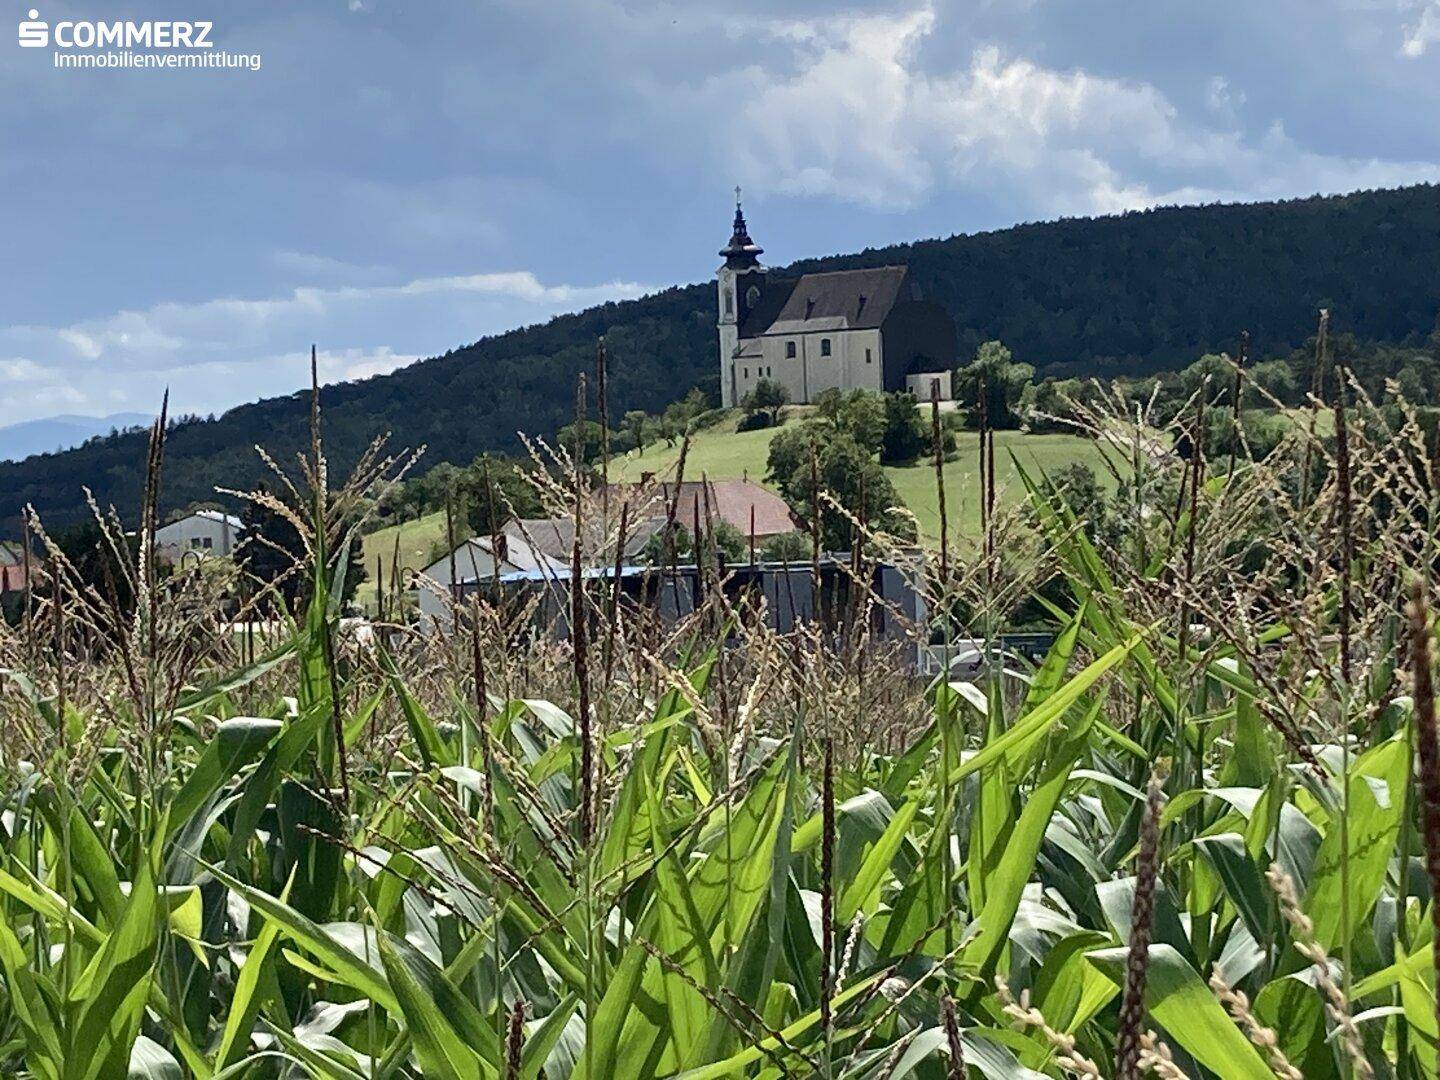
x: 856, y: 116
x: 1221, y: 96
x: 1423, y: 32
x: 21, y: 370
x: 217, y: 353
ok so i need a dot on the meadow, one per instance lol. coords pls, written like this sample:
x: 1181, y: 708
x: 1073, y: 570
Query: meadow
x: 722, y: 453
x: 1199, y: 838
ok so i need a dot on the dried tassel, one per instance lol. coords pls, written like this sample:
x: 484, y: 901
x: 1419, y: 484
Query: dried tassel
x: 1429, y: 753
x: 1147, y: 868
x: 515, y: 1041
x: 956, y: 1068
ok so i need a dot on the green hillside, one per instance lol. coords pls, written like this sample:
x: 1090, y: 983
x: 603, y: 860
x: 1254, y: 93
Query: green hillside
x: 721, y: 453
x: 1132, y: 293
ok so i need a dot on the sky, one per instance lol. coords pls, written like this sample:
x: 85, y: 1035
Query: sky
x: 398, y: 179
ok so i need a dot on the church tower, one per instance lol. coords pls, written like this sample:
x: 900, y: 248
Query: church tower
x: 739, y: 285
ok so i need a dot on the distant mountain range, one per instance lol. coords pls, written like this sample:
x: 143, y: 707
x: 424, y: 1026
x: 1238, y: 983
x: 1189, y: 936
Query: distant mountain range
x: 52, y: 433
x: 1131, y: 293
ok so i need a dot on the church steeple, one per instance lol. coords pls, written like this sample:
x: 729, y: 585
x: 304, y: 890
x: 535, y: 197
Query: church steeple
x: 741, y: 253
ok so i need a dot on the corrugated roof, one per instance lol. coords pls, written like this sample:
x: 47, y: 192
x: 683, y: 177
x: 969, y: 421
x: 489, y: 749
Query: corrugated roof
x: 555, y: 537
x: 216, y: 515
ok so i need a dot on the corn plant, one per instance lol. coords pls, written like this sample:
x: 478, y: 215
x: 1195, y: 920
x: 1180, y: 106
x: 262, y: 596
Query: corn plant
x: 1185, y: 841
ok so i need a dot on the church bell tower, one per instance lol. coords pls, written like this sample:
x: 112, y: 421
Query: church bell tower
x: 739, y: 283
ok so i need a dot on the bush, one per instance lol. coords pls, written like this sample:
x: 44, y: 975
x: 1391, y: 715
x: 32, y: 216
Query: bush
x: 755, y: 421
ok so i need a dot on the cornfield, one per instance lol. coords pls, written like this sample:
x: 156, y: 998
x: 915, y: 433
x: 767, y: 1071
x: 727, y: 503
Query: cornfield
x: 1200, y: 837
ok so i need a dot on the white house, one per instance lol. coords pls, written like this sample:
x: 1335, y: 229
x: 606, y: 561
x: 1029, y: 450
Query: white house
x: 205, y: 532
x: 848, y: 329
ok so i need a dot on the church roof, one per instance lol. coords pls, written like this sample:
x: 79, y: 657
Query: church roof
x: 837, y: 300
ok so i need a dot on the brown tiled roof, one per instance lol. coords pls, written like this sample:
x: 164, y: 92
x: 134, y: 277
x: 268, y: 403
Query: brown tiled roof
x: 731, y: 501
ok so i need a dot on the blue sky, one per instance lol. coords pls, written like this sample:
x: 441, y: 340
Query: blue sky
x: 401, y: 178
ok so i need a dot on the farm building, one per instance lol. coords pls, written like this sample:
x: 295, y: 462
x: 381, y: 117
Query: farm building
x: 786, y: 589
x: 205, y: 532
x: 542, y: 546
x: 12, y: 567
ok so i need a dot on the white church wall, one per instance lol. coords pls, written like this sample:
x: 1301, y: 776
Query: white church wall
x: 809, y: 372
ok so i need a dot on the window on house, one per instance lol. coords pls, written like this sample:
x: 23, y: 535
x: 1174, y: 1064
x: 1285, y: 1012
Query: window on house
x: 824, y: 346
x: 789, y: 350
x: 867, y: 356
x: 729, y: 303
x: 745, y: 373
x: 207, y: 542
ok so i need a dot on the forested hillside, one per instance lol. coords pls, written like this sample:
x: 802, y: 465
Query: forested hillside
x: 1125, y: 294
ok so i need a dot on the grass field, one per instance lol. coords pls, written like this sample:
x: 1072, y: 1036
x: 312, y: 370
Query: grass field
x: 417, y: 539
x: 722, y: 453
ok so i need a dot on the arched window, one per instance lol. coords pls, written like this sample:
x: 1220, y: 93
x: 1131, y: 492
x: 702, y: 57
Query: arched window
x: 729, y: 303
x: 824, y: 346
x: 789, y: 350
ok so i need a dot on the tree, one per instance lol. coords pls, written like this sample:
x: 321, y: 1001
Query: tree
x: 790, y: 449
x: 634, y: 425
x: 1277, y: 379
x: 768, y: 397
x: 494, y: 489
x: 995, y: 375
x: 582, y: 439
x: 904, y: 437
x: 791, y: 547
x: 1215, y: 373
x: 858, y: 413
x: 826, y: 462
x: 1045, y: 406
x: 729, y: 544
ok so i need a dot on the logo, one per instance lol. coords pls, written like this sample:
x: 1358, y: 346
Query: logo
x: 153, y: 43
x: 33, y: 34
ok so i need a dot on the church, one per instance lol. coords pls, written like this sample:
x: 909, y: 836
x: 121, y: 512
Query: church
x: 844, y: 330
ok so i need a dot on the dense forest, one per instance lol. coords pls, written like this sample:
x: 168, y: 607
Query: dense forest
x: 1128, y: 294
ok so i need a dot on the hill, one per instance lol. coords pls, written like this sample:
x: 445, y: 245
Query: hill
x: 1130, y: 293
x: 19, y: 441
x: 721, y: 453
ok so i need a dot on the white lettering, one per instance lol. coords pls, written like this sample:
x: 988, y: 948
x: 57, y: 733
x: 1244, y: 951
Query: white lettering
x: 203, y: 41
